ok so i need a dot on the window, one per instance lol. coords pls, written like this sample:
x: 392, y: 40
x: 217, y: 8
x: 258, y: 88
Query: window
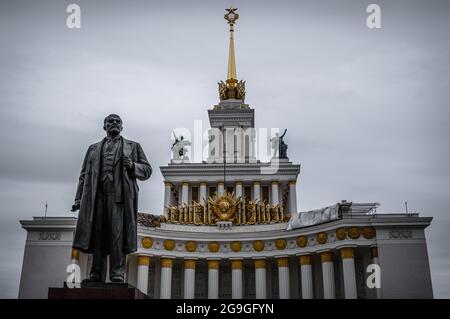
x: 265, y: 194
x: 195, y: 193
x: 248, y: 192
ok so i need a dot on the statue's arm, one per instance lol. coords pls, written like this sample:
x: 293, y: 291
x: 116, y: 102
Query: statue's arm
x: 142, y: 169
x: 80, y: 183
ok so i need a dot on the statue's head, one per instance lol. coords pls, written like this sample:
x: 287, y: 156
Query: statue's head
x: 112, y: 124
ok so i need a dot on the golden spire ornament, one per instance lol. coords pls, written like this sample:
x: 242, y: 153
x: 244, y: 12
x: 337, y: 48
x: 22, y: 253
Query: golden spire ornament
x: 232, y: 89
x: 231, y: 18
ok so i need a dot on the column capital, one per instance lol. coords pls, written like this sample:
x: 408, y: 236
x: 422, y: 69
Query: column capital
x: 167, y: 183
x: 166, y: 262
x: 203, y: 183
x: 75, y: 254
x: 374, y: 252
x: 260, y: 264
x: 239, y: 182
x: 213, y: 264
x: 143, y: 260
x: 292, y: 182
x: 184, y: 183
x: 220, y: 183
x: 283, y: 262
x: 236, y: 263
x: 347, y: 252
x: 305, y: 260
x: 189, y: 264
x: 275, y: 182
x: 256, y: 183
x: 326, y: 256
x: 342, y: 246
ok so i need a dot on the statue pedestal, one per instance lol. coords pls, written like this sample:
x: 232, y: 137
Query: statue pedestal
x: 279, y: 160
x: 181, y: 161
x: 97, y: 291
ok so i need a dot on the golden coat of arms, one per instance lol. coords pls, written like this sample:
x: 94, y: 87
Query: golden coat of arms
x: 224, y: 207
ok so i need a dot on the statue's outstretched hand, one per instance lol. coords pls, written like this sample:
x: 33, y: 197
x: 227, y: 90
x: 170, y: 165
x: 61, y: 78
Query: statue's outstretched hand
x: 75, y: 206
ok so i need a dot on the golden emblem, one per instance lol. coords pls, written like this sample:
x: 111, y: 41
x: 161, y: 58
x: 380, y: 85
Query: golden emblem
x: 169, y: 244
x: 321, y: 238
x: 354, y: 232
x: 147, y: 242
x: 340, y: 233
x: 302, y: 241
x: 369, y: 232
x: 235, y: 246
x: 258, y: 245
x: 224, y: 207
x: 280, y: 244
x: 213, y: 247
x: 191, y: 246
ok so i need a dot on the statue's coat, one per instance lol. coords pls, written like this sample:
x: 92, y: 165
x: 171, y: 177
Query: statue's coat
x: 126, y: 191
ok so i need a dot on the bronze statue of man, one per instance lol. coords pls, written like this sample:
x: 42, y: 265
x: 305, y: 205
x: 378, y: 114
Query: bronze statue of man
x: 107, y: 197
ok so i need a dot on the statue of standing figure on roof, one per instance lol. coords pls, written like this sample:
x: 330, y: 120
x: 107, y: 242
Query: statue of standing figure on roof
x: 179, y: 149
x: 279, y: 146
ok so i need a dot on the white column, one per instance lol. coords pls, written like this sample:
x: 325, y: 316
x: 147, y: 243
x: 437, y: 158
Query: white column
x: 166, y: 278
x: 306, y: 277
x: 213, y: 279
x: 292, y: 197
x: 375, y: 260
x: 74, y: 265
x: 348, y: 269
x: 251, y: 151
x: 256, y: 191
x: 202, y: 192
x: 167, y: 191
x: 328, y: 275
x: 236, y: 279
x: 238, y: 189
x: 220, y: 188
x: 184, y: 192
x: 283, y: 277
x: 241, y: 143
x: 214, y: 145
x: 275, y: 200
x: 142, y: 273
x: 260, y: 279
x: 75, y: 256
x: 189, y: 279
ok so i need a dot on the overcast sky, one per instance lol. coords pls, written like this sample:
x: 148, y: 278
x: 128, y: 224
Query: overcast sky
x: 366, y: 109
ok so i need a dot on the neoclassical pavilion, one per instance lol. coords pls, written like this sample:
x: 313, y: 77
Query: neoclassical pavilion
x: 230, y: 228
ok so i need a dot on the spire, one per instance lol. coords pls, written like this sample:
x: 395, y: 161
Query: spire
x: 231, y: 18
x: 232, y: 89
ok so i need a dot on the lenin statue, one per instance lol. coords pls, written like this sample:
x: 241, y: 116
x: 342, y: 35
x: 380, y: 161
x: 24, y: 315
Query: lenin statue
x: 107, y: 197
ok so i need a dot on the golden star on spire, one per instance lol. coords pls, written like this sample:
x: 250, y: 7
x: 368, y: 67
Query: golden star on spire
x: 231, y: 16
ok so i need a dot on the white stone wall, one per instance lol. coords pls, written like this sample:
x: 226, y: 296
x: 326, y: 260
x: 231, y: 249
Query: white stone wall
x: 403, y: 257
x: 46, y: 257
